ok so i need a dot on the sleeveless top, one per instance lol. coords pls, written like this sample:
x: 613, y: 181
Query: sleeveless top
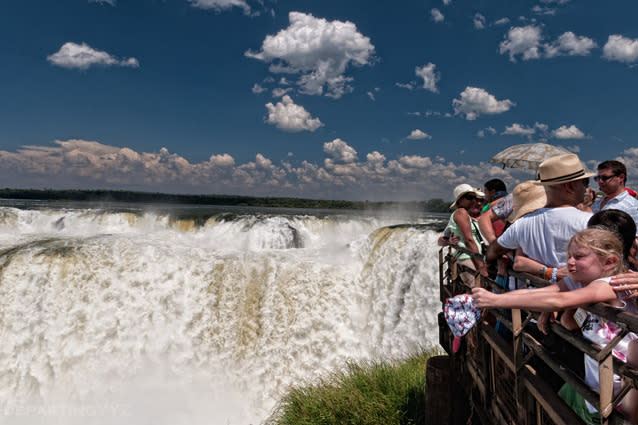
x: 456, y: 232
x: 600, y: 331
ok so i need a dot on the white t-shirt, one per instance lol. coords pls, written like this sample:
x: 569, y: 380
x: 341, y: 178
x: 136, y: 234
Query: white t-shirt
x: 543, y: 235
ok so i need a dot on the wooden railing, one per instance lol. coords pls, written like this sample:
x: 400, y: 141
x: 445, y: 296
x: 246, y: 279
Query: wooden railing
x: 505, y: 382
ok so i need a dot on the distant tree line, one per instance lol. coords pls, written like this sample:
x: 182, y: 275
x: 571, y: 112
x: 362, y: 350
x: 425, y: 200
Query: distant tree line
x: 433, y: 205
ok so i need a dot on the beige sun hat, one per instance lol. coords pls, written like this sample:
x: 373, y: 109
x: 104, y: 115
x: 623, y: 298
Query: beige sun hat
x: 562, y: 169
x: 462, y: 189
x: 527, y: 197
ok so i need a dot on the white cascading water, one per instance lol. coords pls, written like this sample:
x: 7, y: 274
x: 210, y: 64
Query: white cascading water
x: 126, y: 318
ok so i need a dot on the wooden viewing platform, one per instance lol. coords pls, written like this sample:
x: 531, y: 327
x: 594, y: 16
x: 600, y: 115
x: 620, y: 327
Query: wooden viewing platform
x: 502, y: 382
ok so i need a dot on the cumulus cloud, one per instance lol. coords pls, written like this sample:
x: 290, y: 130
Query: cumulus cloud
x: 571, y: 132
x: 418, y: 135
x: 221, y: 5
x: 429, y: 75
x: 479, y: 21
x: 437, y: 16
x: 475, y: 101
x: 340, y: 151
x: 320, y: 51
x: 518, y: 130
x: 489, y: 131
x: 570, y: 44
x: 82, y: 164
x: 82, y: 56
x: 257, y: 88
x: 111, y: 2
x: 621, y: 49
x: 502, y: 21
x: 524, y: 41
x: 279, y: 91
x: 288, y: 116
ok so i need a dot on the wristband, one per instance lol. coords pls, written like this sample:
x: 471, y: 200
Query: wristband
x: 548, y: 273
x: 543, y: 271
x: 554, y: 273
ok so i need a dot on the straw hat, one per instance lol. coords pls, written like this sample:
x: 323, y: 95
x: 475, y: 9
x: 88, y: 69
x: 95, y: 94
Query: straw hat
x: 562, y: 169
x: 462, y: 189
x: 527, y: 197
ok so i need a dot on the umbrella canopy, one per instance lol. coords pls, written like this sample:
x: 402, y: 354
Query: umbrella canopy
x: 528, y: 155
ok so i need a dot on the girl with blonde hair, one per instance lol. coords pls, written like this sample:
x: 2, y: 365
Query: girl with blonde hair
x: 595, y: 255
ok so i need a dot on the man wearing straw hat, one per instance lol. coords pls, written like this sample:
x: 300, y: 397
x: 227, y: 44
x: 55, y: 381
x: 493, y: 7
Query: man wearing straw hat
x: 541, y: 237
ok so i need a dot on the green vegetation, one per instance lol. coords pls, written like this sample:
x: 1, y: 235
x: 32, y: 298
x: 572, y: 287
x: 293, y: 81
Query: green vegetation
x: 433, y: 205
x: 371, y: 393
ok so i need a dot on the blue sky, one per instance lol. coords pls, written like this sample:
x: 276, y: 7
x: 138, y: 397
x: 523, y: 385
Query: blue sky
x: 322, y: 99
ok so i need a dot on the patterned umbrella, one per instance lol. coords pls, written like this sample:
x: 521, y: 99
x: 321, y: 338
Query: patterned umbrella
x: 528, y: 155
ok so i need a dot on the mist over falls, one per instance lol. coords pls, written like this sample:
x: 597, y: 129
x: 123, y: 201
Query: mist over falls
x: 142, y: 315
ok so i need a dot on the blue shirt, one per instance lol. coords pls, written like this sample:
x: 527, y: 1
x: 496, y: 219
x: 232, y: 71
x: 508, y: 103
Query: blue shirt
x: 624, y: 202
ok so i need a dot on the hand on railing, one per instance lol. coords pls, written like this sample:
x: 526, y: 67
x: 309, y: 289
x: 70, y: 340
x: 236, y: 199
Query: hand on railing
x: 544, y: 319
x: 484, y: 298
x: 452, y: 240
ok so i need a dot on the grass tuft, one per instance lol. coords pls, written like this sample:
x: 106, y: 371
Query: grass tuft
x: 367, y: 393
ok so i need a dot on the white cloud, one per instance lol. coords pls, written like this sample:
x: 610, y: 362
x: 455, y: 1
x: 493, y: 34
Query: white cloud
x: 278, y: 91
x: 502, y: 21
x: 82, y: 56
x: 570, y: 44
x: 541, y: 127
x: 418, y: 135
x: 319, y: 51
x: 475, y: 101
x: 554, y: 1
x: 446, y: 2
x: 111, y: 2
x: 437, y: 16
x: 409, y: 86
x: 340, y: 151
x: 571, y: 132
x: 479, y: 21
x: 621, y: 49
x: 489, y: 131
x: 518, y: 130
x: 371, y: 96
x: 288, y: 116
x: 523, y: 41
x: 82, y: 164
x: 429, y: 75
x: 540, y: 10
x: 258, y: 89
x: 221, y: 5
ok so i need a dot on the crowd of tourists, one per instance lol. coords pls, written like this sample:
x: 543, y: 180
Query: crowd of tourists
x: 557, y: 228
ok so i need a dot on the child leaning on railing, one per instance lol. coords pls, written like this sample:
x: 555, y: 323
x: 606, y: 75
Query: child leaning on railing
x: 594, y: 256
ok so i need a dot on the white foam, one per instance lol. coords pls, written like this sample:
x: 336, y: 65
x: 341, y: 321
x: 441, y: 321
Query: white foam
x: 130, y: 320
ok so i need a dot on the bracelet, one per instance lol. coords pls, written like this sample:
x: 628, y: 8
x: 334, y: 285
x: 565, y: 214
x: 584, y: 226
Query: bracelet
x: 548, y: 273
x: 543, y: 271
x: 554, y: 273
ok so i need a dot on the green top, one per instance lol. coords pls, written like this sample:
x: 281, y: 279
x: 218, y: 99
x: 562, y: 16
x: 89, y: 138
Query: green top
x: 456, y: 232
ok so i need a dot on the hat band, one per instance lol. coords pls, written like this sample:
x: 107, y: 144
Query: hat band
x: 567, y: 177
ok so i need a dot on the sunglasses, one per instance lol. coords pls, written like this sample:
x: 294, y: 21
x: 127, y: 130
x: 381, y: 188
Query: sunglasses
x: 605, y: 178
x: 469, y: 197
